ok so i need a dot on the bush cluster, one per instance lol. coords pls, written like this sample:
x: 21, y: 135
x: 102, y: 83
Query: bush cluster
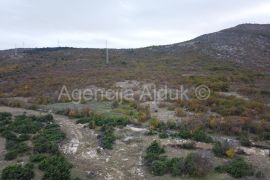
x: 223, y: 149
x: 107, y: 124
x: 197, y: 135
x: 18, y: 172
x: 103, y: 120
x: 237, y: 168
x: 47, y: 140
x: 192, y: 165
x: 55, y: 167
x: 107, y: 137
x: 45, y: 135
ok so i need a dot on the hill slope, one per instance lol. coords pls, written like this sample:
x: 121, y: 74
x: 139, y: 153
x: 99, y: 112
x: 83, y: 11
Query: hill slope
x: 27, y: 72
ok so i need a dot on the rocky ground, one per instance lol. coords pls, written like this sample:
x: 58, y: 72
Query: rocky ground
x: 125, y: 161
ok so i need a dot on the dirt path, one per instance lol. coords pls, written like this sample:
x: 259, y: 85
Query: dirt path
x: 80, y: 147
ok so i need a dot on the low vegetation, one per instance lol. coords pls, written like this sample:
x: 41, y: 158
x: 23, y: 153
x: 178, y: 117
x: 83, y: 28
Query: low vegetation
x: 18, y: 172
x: 45, y: 136
x: 237, y: 168
x: 193, y: 164
x: 106, y: 126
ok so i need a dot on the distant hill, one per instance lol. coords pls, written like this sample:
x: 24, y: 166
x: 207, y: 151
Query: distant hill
x: 43, y: 70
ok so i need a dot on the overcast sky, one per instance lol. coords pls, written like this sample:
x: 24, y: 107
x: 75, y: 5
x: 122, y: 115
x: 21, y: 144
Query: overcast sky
x: 124, y: 23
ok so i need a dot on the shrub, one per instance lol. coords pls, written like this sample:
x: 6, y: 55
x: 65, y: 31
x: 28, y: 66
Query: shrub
x: 177, y: 166
x: 45, y: 118
x: 159, y: 167
x: 163, y: 135
x: 26, y: 125
x: 237, y: 168
x: 5, y: 116
x: 38, y: 157
x: 188, y: 146
x: 142, y: 117
x: 153, y: 152
x: 179, y: 112
x: 53, y: 133
x: 23, y: 137
x: 230, y: 153
x: 46, y: 141
x: 107, y: 137
x: 184, y: 133
x: 11, y: 155
x: 14, y: 148
x: 43, y: 145
x: 244, y: 140
x: 201, y: 136
x: 196, y: 165
x: 55, y: 168
x: 18, y: 172
x: 221, y: 149
x: 153, y: 123
x: 9, y: 135
x: 102, y: 120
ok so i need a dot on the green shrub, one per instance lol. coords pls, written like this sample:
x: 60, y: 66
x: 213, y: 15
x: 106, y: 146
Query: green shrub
x: 219, y: 149
x: 163, y: 135
x: 177, y: 166
x: 43, y: 145
x: 244, y: 140
x: 9, y: 135
x: 18, y: 172
x: 107, y: 137
x: 102, y: 120
x: 53, y: 133
x: 10, y: 155
x: 188, y: 146
x: 5, y: 116
x: 153, y: 152
x: 184, y: 133
x: 55, y: 168
x: 214, y: 83
x: 26, y: 125
x: 23, y: 137
x: 46, y: 118
x: 46, y: 141
x: 14, y: 149
x: 38, y: 157
x: 201, y: 136
x: 237, y: 168
x: 158, y: 167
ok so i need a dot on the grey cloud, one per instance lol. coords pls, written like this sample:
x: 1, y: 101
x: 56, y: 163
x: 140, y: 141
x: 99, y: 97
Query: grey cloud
x: 125, y: 23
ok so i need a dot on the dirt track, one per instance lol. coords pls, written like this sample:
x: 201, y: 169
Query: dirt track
x: 80, y: 147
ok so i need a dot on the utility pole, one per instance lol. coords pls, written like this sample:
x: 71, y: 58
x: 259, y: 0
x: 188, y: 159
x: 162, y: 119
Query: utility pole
x: 15, y: 50
x: 107, y: 53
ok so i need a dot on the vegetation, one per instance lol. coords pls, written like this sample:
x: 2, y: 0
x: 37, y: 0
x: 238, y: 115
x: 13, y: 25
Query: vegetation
x: 107, y: 137
x: 104, y: 120
x: 214, y: 83
x: 237, y: 168
x: 18, y: 172
x: 192, y: 165
x: 45, y: 136
x: 153, y: 152
x: 55, y: 167
x: 107, y: 124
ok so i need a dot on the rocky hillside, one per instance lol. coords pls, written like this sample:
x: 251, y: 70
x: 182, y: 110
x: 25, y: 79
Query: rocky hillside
x: 248, y: 44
